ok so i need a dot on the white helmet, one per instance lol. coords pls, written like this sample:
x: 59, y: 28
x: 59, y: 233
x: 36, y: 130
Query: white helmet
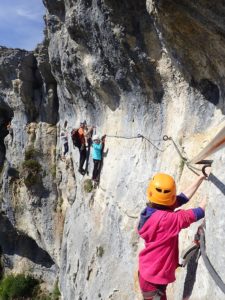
x: 95, y: 137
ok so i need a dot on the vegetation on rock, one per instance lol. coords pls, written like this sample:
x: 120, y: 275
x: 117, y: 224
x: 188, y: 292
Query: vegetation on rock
x: 88, y: 186
x: 31, y: 169
x: 31, y: 153
x: 17, y: 286
x: 25, y: 287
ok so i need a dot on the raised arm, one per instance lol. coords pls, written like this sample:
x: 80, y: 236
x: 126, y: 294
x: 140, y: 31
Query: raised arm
x: 203, y: 203
x: 89, y: 130
x: 190, y: 191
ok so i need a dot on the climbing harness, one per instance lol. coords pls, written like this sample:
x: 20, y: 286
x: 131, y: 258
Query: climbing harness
x: 200, y: 247
x: 153, y: 295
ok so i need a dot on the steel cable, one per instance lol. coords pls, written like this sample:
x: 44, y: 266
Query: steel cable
x: 215, y: 276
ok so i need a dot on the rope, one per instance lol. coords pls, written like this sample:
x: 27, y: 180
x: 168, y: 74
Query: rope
x: 152, y: 144
x: 165, y: 138
x: 124, y: 137
x: 137, y: 137
x: 184, y: 159
x: 215, y: 276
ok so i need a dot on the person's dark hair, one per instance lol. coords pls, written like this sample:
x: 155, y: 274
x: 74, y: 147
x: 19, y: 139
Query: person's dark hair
x: 158, y: 206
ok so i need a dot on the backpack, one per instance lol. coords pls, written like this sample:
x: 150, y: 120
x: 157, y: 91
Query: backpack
x: 76, y: 138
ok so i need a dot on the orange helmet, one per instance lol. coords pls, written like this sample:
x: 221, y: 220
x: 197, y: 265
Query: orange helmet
x: 162, y: 190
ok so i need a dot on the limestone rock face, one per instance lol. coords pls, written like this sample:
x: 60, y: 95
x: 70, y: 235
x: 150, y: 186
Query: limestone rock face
x: 31, y: 220
x: 127, y: 67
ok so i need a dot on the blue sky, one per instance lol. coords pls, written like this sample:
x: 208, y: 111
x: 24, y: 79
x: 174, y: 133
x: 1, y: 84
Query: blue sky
x: 21, y: 23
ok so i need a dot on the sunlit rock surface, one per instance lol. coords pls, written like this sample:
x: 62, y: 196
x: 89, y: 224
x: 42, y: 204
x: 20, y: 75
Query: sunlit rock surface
x: 129, y: 68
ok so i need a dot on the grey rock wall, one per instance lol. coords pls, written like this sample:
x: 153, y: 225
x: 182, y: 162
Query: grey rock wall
x: 128, y: 68
x: 31, y: 220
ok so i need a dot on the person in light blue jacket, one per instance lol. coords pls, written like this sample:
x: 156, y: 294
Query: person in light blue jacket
x: 97, y: 147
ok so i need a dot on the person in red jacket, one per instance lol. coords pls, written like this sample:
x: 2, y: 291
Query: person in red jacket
x: 82, y: 148
x: 159, y: 226
x: 84, y: 134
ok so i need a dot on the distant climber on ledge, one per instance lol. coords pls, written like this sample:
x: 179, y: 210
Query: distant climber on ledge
x: 10, y: 129
x: 159, y: 226
x: 64, y: 138
x: 97, y: 152
x: 84, y: 133
x: 88, y: 132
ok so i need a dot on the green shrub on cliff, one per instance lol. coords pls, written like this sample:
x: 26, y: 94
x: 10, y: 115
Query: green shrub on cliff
x: 88, y: 186
x: 31, y: 169
x: 17, y: 286
x: 32, y: 165
x: 56, y: 292
x: 31, y: 153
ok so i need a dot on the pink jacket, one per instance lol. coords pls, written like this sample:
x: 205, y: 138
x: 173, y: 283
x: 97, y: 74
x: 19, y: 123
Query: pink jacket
x: 159, y: 260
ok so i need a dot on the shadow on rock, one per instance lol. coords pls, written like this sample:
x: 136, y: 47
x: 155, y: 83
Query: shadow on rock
x: 219, y: 184
x: 190, y: 276
x: 13, y: 242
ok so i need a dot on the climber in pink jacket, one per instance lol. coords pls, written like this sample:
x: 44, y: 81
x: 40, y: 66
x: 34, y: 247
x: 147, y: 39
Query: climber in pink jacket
x: 159, y: 226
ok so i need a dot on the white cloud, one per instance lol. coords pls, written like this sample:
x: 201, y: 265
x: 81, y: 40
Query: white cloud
x: 28, y: 14
x: 21, y: 24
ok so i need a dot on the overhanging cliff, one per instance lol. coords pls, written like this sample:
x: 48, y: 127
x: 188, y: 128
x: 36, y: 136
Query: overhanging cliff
x: 128, y: 67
